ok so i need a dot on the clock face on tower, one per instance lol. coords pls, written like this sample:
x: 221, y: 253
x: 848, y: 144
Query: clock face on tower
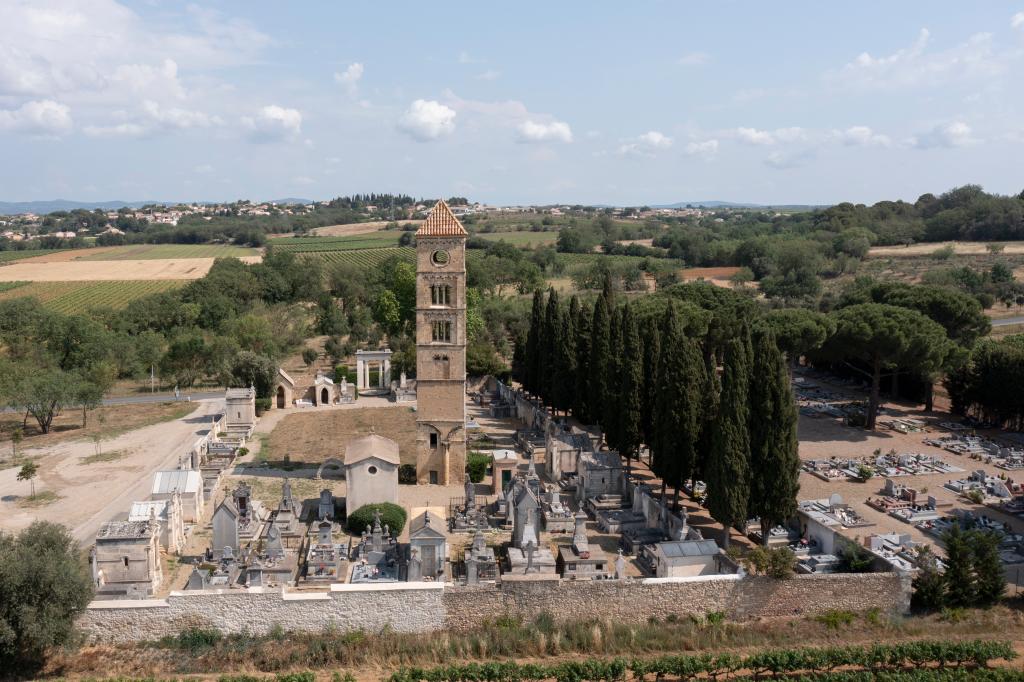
x: 439, y: 257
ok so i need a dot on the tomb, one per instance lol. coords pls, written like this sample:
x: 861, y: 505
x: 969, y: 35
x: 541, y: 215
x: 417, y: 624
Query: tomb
x: 239, y: 412
x: 580, y: 560
x: 237, y: 521
x: 284, y: 391
x: 467, y: 516
x: 558, y: 518
x: 186, y: 483
x: 371, y: 472
x: 562, y: 447
x: 479, y: 561
x: 365, y: 360
x: 169, y: 515
x: 428, y: 548
x: 527, y: 555
x: 403, y: 391
x: 503, y: 469
x: 598, y: 473
x: 286, y: 518
x: 376, y: 556
x: 198, y: 579
x: 325, y: 506
x: 683, y: 558
x: 270, y: 566
x: 324, y: 391
x: 325, y: 559
x: 126, y: 559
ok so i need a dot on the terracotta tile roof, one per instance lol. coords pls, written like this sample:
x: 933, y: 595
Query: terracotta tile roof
x: 441, y: 222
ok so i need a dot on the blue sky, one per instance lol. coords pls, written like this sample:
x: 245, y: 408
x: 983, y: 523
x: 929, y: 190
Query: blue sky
x: 527, y: 102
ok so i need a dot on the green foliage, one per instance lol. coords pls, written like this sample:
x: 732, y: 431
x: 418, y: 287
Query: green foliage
x: 834, y: 619
x: 476, y: 465
x: 44, y: 586
x: 407, y: 474
x: 775, y: 563
x: 727, y: 471
x: 309, y: 355
x: 391, y: 515
x: 988, y: 384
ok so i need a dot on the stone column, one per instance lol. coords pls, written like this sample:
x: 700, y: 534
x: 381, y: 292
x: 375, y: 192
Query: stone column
x: 380, y: 374
x: 386, y: 372
x: 359, y: 374
x: 366, y: 376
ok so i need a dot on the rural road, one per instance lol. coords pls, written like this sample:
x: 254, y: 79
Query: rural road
x: 161, y: 398
x: 1007, y: 321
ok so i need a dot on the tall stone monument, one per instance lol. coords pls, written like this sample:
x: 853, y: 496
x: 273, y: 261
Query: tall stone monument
x: 441, y: 348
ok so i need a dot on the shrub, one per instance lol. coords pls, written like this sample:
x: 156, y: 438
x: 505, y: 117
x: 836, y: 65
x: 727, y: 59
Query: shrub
x: 833, y: 619
x: 391, y: 515
x: 262, y: 405
x: 44, y: 585
x: 309, y: 355
x: 477, y: 463
x: 407, y: 474
x: 194, y: 639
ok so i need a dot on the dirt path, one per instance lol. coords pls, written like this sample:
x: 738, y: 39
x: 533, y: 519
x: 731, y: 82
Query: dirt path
x: 91, y: 493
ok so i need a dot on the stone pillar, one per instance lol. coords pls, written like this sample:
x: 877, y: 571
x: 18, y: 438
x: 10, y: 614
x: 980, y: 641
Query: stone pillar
x: 380, y: 374
x: 387, y: 372
x: 359, y: 374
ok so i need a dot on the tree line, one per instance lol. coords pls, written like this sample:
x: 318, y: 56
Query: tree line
x: 648, y: 372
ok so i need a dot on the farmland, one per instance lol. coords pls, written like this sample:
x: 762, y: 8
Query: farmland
x: 520, y: 238
x: 8, y: 256
x: 375, y: 240
x: 366, y: 258
x: 167, y: 251
x: 76, y: 297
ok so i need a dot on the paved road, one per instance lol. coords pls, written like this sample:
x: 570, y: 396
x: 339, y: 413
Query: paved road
x: 1007, y: 321
x: 160, y: 397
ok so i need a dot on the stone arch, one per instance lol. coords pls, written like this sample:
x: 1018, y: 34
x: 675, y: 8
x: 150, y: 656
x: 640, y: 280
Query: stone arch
x: 280, y: 397
x: 325, y: 396
x: 330, y: 462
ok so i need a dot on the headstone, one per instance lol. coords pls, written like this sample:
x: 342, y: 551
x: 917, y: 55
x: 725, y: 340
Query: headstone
x: 415, y: 566
x: 326, y: 507
x: 620, y: 567
x: 530, y: 549
x: 579, y: 536
x: 401, y: 380
x: 471, y: 571
x: 470, y: 497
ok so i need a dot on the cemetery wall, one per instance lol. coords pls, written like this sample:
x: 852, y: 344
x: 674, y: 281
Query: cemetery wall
x: 426, y: 607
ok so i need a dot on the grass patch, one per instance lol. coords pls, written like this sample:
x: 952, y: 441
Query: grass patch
x: 40, y: 499
x: 111, y: 456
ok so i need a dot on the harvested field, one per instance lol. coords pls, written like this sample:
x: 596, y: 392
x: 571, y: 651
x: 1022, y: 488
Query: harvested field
x: 167, y: 251
x: 314, y: 435
x: 357, y: 228
x: 524, y: 238
x: 10, y: 256
x: 69, y: 297
x: 976, y: 248
x: 64, y: 255
x: 94, y: 270
x: 691, y: 274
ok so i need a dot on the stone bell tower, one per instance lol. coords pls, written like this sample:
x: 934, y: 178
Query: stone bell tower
x: 441, y: 348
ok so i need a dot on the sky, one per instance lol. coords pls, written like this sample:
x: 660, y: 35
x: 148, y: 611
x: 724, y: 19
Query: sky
x: 623, y: 103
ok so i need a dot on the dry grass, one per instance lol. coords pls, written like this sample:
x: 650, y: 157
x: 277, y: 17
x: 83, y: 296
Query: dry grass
x: 924, y: 249
x: 371, y: 656
x: 40, y: 499
x: 111, y: 456
x: 313, y: 436
x: 357, y: 228
x: 110, y: 421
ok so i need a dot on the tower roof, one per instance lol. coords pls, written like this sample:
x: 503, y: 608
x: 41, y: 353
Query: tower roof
x: 441, y: 222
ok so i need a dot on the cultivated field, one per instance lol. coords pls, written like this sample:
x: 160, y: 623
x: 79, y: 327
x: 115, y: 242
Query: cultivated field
x: 960, y: 248
x: 76, y: 297
x: 357, y: 228
x: 365, y: 258
x: 167, y: 251
x: 95, y: 270
x: 520, y: 238
x: 9, y: 256
x: 351, y: 243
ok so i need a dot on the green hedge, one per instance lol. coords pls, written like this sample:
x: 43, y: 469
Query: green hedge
x: 390, y: 514
x: 809, y: 663
x: 476, y: 464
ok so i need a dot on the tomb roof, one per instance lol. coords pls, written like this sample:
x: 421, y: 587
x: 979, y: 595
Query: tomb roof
x: 124, y: 530
x: 140, y: 511
x: 180, y: 480
x: 441, y: 222
x: 239, y: 393
x: 687, y: 548
x: 369, y: 446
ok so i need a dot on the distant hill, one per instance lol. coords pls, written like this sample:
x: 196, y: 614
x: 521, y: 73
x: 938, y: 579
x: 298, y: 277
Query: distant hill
x: 292, y: 200
x: 730, y: 204
x: 42, y: 207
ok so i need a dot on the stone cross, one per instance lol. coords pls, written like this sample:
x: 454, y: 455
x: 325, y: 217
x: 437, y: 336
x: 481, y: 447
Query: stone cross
x: 530, y: 548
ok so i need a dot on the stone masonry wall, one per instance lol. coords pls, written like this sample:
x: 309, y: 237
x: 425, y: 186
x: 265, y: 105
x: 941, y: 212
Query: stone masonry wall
x: 427, y: 607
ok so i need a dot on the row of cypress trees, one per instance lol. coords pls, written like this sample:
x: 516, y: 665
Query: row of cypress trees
x: 646, y: 382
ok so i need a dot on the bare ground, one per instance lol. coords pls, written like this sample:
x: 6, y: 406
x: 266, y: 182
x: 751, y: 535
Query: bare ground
x: 925, y: 249
x: 34, y: 270
x: 357, y: 228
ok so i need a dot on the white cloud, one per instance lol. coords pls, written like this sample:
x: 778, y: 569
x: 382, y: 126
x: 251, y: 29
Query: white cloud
x: 694, y: 59
x: 949, y: 135
x: 273, y: 123
x: 916, y: 66
x: 488, y: 75
x: 204, y: 169
x: 303, y: 180
x: 535, y: 131
x: 349, y: 78
x: 706, y: 149
x: 178, y: 118
x: 467, y: 58
x: 427, y: 120
x: 784, y: 161
x: 38, y: 117
x: 1017, y: 21
x: 863, y: 136
x: 646, y: 144
x: 754, y: 136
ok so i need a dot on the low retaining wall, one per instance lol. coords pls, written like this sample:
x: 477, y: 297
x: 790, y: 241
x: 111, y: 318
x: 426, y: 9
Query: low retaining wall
x: 428, y: 607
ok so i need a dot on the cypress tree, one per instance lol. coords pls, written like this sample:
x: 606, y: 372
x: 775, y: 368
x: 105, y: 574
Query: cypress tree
x: 631, y: 387
x: 597, y: 380
x: 565, y: 371
x: 677, y: 422
x: 727, y: 470
x: 610, y: 416
x: 549, y: 347
x: 651, y: 339
x: 712, y: 391
x: 774, y: 462
x: 531, y: 361
x: 961, y: 589
x: 581, y: 407
x: 988, y: 567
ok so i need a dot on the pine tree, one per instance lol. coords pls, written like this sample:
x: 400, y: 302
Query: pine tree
x: 774, y: 461
x: 531, y: 360
x: 727, y: 472
x: 612, y: 404
x: 565, y: 370
x: 929, y: 583
x: 598, y: 365
x: 581, y: 406
x: 961, y: 589
x: 988, y: 567
x: 631, y: 387
x: 549, y: 348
